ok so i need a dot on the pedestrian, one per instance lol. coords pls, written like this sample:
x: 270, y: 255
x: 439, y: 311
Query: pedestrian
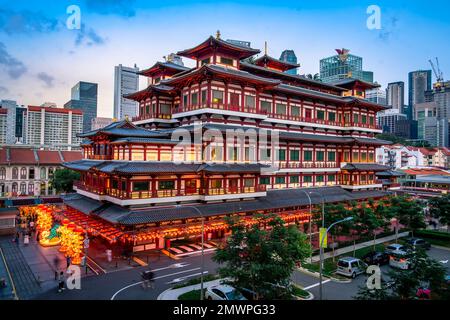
x: 69, y: 262
x: 61, y: 282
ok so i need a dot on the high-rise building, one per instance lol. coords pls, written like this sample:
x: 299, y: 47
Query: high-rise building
x: 418, y: 82
x: 289, y: 56
x: 421, y: 112
x: 388, y: 120
x: 376, y: 96
x: 436, y: 131
x: 54, y: 127
x: 406, y: 129
x: 98, y: 123
x: 395, y: 94
x: 126, y: 81
x: 343, y: 66
x: 13, y: 121
x: 84, y: 98
x: 241, y: 43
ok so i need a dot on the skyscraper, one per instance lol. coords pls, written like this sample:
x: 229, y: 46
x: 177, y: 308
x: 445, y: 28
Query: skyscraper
x: 14, y: 124
x: 289, y: 56
x: 343, y: 66
x: 84, y: 98
x: 418, y: 82
x: 395, y: 93
x: 376, y: 96
x: 126, y: 81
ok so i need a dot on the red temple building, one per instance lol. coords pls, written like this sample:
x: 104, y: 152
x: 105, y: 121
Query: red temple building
x: 259, y: 140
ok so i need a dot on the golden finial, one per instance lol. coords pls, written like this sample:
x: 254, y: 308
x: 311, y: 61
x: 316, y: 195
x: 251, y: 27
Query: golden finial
x: 126, y: 118
x: 218, y: 35
x: 265, y: 48
x: 114, y: 119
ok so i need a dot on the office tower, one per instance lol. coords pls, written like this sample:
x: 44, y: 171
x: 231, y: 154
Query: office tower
x: 84, y: 98
x: 418, y: 82
x: 54, y: 127
x: 421, y: 112
x: 388, y: 120
x: 289, y: 56
x: 395, y: 94
x: 342, y: 66
x: 376, y: 96
x: 99, y: 122
x: 126, y: 81
x: 240, y: 43
x: 13, y: 122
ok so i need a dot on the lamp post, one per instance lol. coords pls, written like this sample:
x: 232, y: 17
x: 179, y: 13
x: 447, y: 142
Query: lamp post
x: 323, y: 212
x: 203, y: 249
x: 310, y: 222
x: 321, y: 251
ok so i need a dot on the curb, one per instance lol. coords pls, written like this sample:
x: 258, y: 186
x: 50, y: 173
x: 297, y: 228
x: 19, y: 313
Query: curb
x: 317, y: 275
x: 440, y: 247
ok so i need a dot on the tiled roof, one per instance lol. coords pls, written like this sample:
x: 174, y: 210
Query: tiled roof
x: 426, y: 171
x: 365, y: 167
x: 11, y: 156
x: 275, y: 199
x: 428, y: 152
x: 21, y: 156
x: 123, y: 129
x: 71, y: 155
x: 50, y: 157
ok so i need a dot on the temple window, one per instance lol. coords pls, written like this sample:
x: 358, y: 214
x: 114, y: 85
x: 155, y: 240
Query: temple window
x: 194, y: 99
x: 166, y: 155
x: 249, y: 183
x: 363, y: 157
x: 320, y: 156
x: 371, y: 157
x: 204, y: 97
x: 364, y: 119
x: 319, y: 179
x: 264, y: 180
x: 226, y: 61
x: 185, y: 100
x: 307, y: 155
x: 295, y: 111
x: 346, y: 156
x: 165, y: 108
x: 294, y: 179
x: 371, y: 120
x: 140, y: 186
x: 295, y: 155
x: 355, y: 118
x: 332, y: 116
x: 307, y: 179
x: 152, y: 155
x: 280, y: 180
x: 331, y: 156
x: 137, y: 154
x: 250, y: 102
x: 266, y: 106
x: 217, y: 96
x: 216, y: 183
x: 282, y: 155
x: 320, y: 114
x: 308, y: 113
x: 234, y: 99
x: 280, y: 108
x: 355, y: 156
x: 331, y: 178
x: 166, y: 185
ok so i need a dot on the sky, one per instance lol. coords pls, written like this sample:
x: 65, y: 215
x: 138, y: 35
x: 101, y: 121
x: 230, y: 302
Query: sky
x: 41, y: 59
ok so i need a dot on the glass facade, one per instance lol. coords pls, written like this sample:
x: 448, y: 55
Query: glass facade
x: 84, y: 98
x: 335, y: 68
x: 289, y: 56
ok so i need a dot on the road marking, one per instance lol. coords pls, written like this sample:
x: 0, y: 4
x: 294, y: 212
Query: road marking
x: 316, y: 284
x: 156, y: 278
x: 185, y: 277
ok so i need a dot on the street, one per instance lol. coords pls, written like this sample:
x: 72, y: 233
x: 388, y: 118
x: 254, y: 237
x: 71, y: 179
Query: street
x: 125, y: 285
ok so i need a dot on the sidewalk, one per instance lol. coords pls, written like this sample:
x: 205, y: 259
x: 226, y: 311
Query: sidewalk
x: 173, y: 294
x: 361, y: 245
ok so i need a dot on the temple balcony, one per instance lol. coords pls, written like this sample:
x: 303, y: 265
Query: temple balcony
x: 357, y: 185
x: 124, y: 197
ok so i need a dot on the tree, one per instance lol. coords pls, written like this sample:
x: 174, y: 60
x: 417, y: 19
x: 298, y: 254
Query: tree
x: 63, y: 180
x: 409, y: 212
x: 440, y: 209
x: 262, y: 260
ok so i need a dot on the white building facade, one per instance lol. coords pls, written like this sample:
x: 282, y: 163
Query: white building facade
x: 126, y: 81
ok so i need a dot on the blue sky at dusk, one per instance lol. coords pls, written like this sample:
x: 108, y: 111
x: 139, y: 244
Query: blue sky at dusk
x: 40, y: 59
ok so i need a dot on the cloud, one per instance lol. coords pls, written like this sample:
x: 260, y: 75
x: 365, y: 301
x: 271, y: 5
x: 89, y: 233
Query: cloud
x: 13, y: 67
x: 3, y: 90
x: 12, y: 22
x: 124, y: 8
x: 88, y: 37
x: 46, y: 78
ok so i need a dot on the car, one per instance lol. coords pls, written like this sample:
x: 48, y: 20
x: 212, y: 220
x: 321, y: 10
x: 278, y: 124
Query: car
x: 395, y: 248
x: 416, y: 243
x: 376, y: 258
x: 350, y: 267
x: 400, y: 260
x: 223, y: 292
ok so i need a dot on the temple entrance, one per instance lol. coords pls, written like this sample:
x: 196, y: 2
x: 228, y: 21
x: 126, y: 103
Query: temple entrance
x: 191, y: 186
x: 233, y: 185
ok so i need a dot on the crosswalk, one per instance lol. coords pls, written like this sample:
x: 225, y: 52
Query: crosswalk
x: 194, y: 248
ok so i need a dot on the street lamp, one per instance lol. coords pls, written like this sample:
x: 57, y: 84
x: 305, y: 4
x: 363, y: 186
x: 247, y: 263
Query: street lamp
x: 203, y: 249
x: 323, y: 210
x: 310, y: 222
x: 321, y: 250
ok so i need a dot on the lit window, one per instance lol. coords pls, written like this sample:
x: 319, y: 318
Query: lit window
x: 217, y: 96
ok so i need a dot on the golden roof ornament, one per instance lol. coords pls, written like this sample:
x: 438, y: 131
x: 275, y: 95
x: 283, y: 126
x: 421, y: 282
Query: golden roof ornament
x: 218, y: 35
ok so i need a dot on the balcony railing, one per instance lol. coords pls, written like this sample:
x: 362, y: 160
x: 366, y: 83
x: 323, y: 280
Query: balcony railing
x: 152, y: 116
x: 170, y: 192
x: 361, y: 183
x: 308, y: 165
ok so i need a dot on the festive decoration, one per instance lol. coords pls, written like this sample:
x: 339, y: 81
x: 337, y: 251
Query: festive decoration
x: 72, y: 242
x: 44, y: 226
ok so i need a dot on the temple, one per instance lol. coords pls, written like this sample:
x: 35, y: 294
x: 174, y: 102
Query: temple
x: 233, y: 136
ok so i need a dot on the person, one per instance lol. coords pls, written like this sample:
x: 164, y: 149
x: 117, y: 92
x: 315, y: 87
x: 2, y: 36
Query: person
x: 61, y: 282
x: 32, y: 226
x: 147, y: 279
x: 423, y: 293
x: 69, y: 262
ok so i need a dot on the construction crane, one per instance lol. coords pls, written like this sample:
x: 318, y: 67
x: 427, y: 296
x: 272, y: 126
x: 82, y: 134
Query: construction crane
x: 437, y: 72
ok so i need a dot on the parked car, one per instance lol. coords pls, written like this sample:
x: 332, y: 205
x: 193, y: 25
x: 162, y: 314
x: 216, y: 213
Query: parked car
x: 376, y: 258
x: 416, y: 243
x: 350, y: 267
x: 400, y: 260
x: 395, y: 248
x: 223, y: 292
